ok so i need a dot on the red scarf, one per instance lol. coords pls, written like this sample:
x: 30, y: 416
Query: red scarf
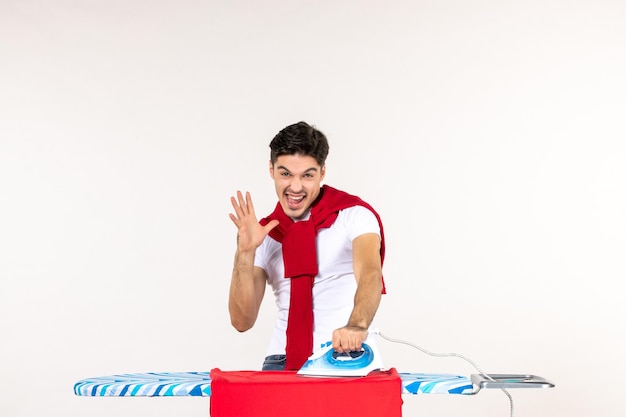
x: 300, y: 261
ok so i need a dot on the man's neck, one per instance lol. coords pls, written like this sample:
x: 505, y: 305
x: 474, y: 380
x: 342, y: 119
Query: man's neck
x: 304, y: 217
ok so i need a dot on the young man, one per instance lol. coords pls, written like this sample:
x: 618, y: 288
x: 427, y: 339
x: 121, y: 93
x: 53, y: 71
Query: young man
x: 321, y: 251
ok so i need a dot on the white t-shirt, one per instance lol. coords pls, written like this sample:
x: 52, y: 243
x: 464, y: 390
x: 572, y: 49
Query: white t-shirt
x: 334, y: 286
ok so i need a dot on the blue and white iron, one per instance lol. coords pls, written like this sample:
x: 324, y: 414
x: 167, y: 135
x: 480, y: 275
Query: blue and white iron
x: 327, y: 362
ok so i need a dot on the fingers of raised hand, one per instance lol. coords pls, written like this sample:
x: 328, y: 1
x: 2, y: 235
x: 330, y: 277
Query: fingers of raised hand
x: 249, y: 204
x: 238, y: 210
x: 242, y: 206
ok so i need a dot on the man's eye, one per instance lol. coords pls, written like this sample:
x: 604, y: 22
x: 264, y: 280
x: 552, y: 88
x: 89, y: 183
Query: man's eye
x: 285, y: 174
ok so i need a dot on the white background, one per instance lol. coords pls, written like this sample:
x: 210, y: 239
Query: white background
x: 488, y: 134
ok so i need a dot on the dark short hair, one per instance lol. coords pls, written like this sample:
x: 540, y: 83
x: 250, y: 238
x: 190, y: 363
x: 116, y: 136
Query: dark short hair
x: 300, y: 139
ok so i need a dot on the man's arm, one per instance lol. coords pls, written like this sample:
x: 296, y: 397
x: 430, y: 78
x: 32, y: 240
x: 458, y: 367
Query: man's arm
x: 368, y: 273
x: 247, y: 285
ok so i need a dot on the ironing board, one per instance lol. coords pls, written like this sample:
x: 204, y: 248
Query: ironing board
x: 198, y: 384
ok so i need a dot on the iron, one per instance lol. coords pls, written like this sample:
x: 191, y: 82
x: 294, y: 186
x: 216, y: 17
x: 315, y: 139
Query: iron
x: 326, y: 362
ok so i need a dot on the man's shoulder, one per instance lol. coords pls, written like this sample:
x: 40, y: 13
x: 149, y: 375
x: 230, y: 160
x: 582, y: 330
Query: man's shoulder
x: 356, y: 210
x: 357, y: 216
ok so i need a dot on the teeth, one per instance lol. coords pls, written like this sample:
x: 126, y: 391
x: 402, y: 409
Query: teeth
x: 296, y: 198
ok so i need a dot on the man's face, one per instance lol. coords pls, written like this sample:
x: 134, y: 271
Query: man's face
x: 297, y: 179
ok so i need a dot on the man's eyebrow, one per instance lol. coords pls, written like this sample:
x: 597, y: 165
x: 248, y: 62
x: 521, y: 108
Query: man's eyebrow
x: 285, y: 168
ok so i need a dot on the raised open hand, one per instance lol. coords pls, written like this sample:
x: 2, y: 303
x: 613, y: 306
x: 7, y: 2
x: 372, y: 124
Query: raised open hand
x: 250, y: 233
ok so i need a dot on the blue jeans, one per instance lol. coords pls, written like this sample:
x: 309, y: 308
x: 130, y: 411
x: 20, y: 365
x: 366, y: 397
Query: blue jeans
x: 274, y: 363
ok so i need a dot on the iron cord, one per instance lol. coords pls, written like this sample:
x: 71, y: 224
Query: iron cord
x: 451, y: 354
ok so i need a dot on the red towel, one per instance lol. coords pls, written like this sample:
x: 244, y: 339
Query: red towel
x: 300, y: 260
x: 286, y: 394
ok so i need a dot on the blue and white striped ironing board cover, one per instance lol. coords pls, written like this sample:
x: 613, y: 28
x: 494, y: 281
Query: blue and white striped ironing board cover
x: 198, y: 384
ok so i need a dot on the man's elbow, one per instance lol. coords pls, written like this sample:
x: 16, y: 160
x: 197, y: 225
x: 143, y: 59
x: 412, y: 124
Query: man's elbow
x: 241, y: 325
x: 379, y: 282
x: 376, y: 281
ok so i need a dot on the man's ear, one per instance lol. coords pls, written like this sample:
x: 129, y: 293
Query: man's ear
x: 322, y: 172
x: 271, y: 169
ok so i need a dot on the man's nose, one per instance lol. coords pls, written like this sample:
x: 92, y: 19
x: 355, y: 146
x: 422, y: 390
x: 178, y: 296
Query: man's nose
x: 296, y: 184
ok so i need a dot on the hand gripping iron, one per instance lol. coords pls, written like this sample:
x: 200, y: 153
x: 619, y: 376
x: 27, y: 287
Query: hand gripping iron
x: 326, y: 362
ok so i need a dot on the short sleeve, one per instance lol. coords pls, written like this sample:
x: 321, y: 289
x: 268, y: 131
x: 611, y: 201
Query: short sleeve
x: 357, y: 221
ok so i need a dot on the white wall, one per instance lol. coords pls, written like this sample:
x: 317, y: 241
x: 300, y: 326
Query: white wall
x: 488, y: 134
